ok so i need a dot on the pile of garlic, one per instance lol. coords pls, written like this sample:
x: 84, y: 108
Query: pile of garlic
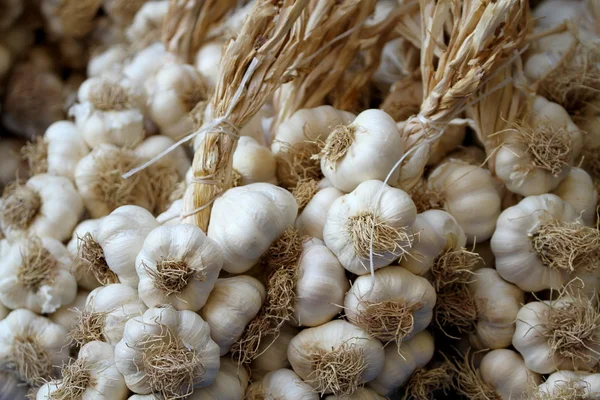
x: 322, y: 274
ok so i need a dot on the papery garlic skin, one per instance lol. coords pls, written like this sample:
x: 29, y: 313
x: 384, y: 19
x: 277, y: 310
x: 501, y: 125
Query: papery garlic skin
x: 245, y: 221
x: 121, y: 235
x: 154, y: 145
x: 312, y: 219
x: 331, y: 337
x: 185, y: 244
x: 584, y: 384
x: 392, y: 207
x: 578, y: 190
x: 230, y: 384
x: 320, y: 286
x: 172, y: 215
x: 47, y: 339
x: 282, y: 384
x: 469, y: 195
x: 232, y: 304
x: 401, y: 362
x: 66, y: 315
x: 105, y: 380
x: 208, y: 59
x: 272, y: 352
x: 505, y: 372
x: 373, y: 150
x: 85, y: 277
x: 516, y: 260
x: 65, y: 148
x: 59, y: 210
x: 22, y: 287
x: 253, y: 162
x: 185, y: 326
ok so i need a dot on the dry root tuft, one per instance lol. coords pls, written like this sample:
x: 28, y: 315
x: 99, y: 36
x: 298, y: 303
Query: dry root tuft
x: 173, y: 276
x: 91, y: 254
x: 30, y: 360
x: 468, y: 382
x: 76, y: 378
x: 164, y: 179
x: 178, y: 192
x: 423, y: 383
x: 110, y: 97
x: 38, y: 266
x: 338, y: 143
x: 338, y: 371
x: 567, y: 246
x: 285, y: 251
x: 390, y: 320
x: 304, y: 191
x: 572, y: 389
x: 298, y: 163
x: 20, y: 205
x: 255, y: 392
x: 88, y: 327
x: 386, y: 239
x: 36, y: 155
x: 426, y: 198
x: 196, y: 93
x: 236, y: 178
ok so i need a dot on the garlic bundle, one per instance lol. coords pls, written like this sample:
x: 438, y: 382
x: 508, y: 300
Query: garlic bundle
x: 525, y: 163
x: 154, y: 145
x: 58, y: 152
x: 232, y: 304
x: 395, y: 307
x: 282, y: 384
x: 578, y: 190
x: 569, y: 385
x: 167, y: 351
x: 35, y: 275
x: 348, y: 157
x: 540, y: 241
x: 172, y: 94
x: 66, y: 316
x: 469, y: 194
x: 121, y: 236
x: 320, y: 286
x: 505, y: 372
x: 272, y: 352
x: 245, y: 221
x: 401, y: 362
x: 177, y: 265
x: 89, y: 264
x: 559, y: 334
x: 92, y: 375
x: 253, y: 162
x: 374, y: 218
x: 207, y: 61
x: 31, y: 346
x: 336, y: 357
x: 311, y: 219
x: 105, y: 313
x: 46, y: 205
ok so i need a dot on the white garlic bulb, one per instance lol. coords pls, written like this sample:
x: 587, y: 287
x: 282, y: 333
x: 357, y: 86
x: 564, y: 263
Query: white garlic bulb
x: 283, y: 384
x: 66, y: 316
x: 110, y: 60
x: 312, y: 218
x: 336, y: 357
x: 232, y: 304
x: 178, y: 265
x: 121, y: 236
x: 401, y: 362
x: 320, y: 286
x: 372, y: 211
x: 154, y: 145
x: 245, y: 221
x: 147, y: 18
x: 167, y: 351
x: 253, y: 162
x: 46, y: 205
x: 89, y: 264
x: 31, y: 346
x: 272, y: 352
x: 147, y: 61
x: 92, y: 375
x: 207, y: 60
x: 578, y: 190
x: 350, y: 150
x: 35, y: 274
x: 505, y: 372
x: 570, y: 384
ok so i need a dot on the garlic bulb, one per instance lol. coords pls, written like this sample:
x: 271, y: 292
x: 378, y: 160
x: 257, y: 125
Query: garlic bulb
x: 569, y: 384
x: 523, y: 162
x: 46, y: 205
x: 396, y: 307
x: 147, y: 61
x: 311, y: 219
x: 505, y: 372
x: 468, y: 193
x: 320, y: 286
x: 232, y: 304
x: 453, y: 136
x: 262, y: 209
x: 253, y: 163
x: 350, y: 150
x: 336, y: 357
x: 105, y: 313
x: 11, y: 387
x: 92, y: 375
x: 578, y: 190
x: 154, y: 145
x: 282, y: 384
x: 121, y: 236
x: 208, y: 59
x: 178, y: 265
x: 66, y: 316
x: 147, y: 19
x: 172, y: 215
x: 110, y: 60
x: 3, y: 311
x: 559, y: 334
x: 373, y: 217
x: 89, y: 264
x: 167, y: 351
x: 540, y: 241
x: 31, y: 346
x: 272, y: 352
x: 35, y: 275
x: 401, y: 362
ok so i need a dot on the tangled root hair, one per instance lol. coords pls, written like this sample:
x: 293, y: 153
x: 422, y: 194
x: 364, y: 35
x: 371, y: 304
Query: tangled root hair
x: 30, y: 361
x: 92, y: 256
x: 173, y: 276
x: 386, y: 238
x: 390, y: 320
x: 426, y: 198
x: 337, y: 144
x: 304, y: 191
x: 88, y: 326
x: 38, y: 266
x: 567, y: 246
x: 424, y: 382
x: 338, y: 371
x: 197, y: 92
x: 20, y: 205
x: 36, y: 155
x: 76, y: 378
x: 468, y: 381
x: 236, y: 178
x: 572, y: 389
x: 296, y: 163
x: 109, y: 96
